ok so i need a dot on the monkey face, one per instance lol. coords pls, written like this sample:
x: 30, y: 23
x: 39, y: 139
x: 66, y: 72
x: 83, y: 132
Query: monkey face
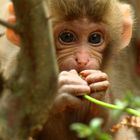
x: 80, y: 44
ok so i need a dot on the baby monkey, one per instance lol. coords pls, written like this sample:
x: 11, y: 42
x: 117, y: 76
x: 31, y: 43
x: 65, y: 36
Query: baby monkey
x: 86, y: 34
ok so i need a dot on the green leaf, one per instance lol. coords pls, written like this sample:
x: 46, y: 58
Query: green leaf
x: 95, y: 123
x: 116, y: 114
x: 121, y: 104
x: 82, y: 130
x: 105, y: 136
x: 132, y: 100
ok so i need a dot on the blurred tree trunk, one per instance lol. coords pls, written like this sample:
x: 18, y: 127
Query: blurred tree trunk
x: 28, y: 94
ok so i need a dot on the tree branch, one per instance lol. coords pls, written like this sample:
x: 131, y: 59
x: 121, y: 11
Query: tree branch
x: 6, y: 24
x: 32, y: 88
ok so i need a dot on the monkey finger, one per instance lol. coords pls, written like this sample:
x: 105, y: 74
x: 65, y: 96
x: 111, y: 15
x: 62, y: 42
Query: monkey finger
x: 96, y: 77
x: 100, y: 86
x: 75, y: 90
x: 64, y: 73
x: 67, y: 78
x: 98, y: 95
x: 85, y: 73
x: 65, y: 100
x: 73, y: 71
x: 64, y: 80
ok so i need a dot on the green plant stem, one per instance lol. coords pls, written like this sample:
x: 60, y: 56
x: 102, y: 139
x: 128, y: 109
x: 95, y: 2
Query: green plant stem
x: 111, y: 106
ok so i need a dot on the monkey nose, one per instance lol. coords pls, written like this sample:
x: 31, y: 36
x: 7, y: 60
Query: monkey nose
x: 82, y: 62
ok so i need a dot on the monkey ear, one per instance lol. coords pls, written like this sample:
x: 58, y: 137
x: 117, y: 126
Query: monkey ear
x: 127, y: 24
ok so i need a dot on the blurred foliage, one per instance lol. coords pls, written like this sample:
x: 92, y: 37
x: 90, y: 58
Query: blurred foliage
x: 129, y: 101
x: 93, y: 131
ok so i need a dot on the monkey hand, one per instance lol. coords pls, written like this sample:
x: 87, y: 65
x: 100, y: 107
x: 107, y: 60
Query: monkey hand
x: 70, y: 82
x: 11, y: 35
x: 97, y: 81
x: 71, y: 87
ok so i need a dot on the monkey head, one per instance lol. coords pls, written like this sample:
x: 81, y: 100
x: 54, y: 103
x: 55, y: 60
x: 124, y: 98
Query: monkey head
x: 86, y: 37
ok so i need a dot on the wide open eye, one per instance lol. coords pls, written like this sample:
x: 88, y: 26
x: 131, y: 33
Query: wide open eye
x: 96, y: 38
x: 67, y: 37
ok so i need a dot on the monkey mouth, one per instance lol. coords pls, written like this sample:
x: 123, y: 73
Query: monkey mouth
x: 79, y: 68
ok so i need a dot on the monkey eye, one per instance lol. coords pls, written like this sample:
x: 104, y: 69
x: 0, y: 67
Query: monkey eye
x: 96, y: 38
x: 67, y: 37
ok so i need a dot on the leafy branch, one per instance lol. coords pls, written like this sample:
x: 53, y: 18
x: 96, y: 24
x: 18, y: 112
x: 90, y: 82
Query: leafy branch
x: 121, y: 107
